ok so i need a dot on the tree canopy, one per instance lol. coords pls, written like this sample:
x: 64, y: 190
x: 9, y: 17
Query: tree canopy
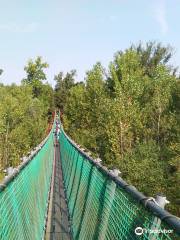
x: 35, y: 75
x: 24, y: 114
x: 128, y: 115
x: 62, y: 87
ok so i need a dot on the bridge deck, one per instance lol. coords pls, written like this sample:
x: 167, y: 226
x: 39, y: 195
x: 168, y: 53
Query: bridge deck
x: 58, y: 227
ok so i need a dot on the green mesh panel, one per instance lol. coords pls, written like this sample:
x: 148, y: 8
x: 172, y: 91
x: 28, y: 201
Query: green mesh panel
x: 100, y: 209
x: 23, y: 203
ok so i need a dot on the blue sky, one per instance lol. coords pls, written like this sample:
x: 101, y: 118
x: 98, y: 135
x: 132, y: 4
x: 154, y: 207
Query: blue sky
x: 75, y: 34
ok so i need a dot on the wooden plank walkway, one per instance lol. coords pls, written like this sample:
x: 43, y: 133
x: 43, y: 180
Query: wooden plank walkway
x: 58, y: 227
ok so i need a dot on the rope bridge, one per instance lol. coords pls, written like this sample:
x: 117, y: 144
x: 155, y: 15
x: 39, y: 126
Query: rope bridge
x: 24, y: 195
x: 101, y: 206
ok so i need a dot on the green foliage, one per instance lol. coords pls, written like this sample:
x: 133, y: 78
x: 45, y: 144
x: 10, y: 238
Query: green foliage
x: 129, y: 116
x: 63, y: 85
x: 22, y: 123
x: 152, y: 55
x: 24, y: 113
x: 144, y: 161
x: 47, y: 98
x: 35, y: 75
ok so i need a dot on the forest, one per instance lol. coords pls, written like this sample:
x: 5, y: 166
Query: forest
x: 126, y: 114
x: 25, y: 111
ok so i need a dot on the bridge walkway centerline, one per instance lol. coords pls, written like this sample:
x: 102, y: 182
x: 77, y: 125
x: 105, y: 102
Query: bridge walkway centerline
x: 58, y: 226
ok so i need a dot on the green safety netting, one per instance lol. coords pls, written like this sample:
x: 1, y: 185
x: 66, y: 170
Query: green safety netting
x: 98, y: 207
x: 23, y: 202
x: 101, y: 209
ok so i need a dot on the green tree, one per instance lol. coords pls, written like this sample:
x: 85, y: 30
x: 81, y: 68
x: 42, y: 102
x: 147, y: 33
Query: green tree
x: 23, y: 123
x: 35, y: 74
x: 62, y: 87
x: 152, y: 54
x: 129, y: 116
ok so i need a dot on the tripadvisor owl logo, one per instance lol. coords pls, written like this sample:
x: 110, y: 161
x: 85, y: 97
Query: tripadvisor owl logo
x: 139, y: 231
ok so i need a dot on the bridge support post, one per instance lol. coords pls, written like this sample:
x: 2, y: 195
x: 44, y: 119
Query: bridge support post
x: 161, y: 201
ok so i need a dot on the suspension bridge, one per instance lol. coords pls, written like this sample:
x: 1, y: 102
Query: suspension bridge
x: 60, y: 192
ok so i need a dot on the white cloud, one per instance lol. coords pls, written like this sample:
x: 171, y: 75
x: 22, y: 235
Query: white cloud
x: 160, y: 15
x: 19, y: 28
